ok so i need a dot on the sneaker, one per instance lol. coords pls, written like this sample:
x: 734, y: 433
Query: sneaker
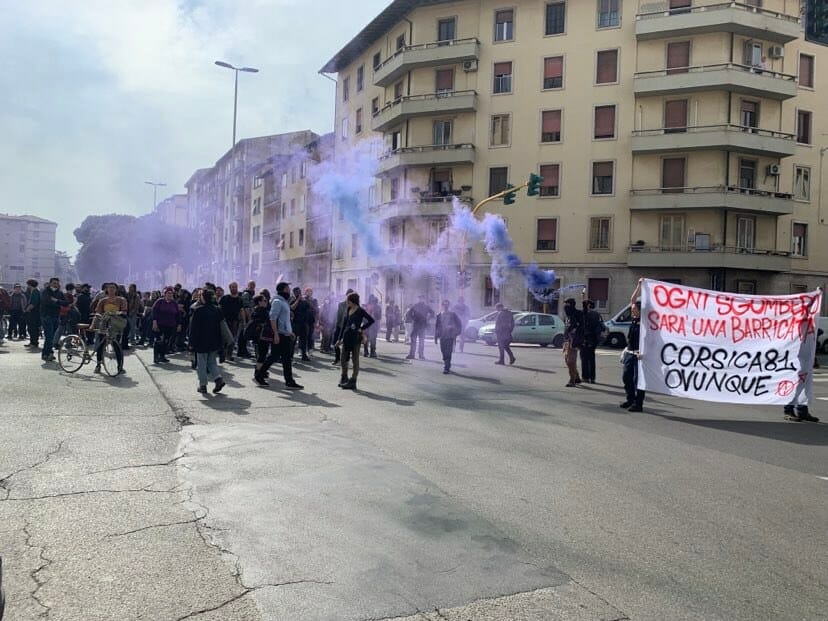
x: 220, y: 383
x: 342, y: 381
x: 202, y: 389
x: 261, y: 381
x: 97, y: 368
x: 120, y: 372
x: 793, y: 417
x: 409, y: 357
x: 578, y: 381
x: 350, y: 385
x: 805, y: 415
x: 570, y: 385
x: 512, y: 361
x: 635, y: 408
x: 626, y: 404
x: 294, y: 386
x: 422, y: 357
x: 499, y: 362
x: 305, y: 358
x: 446, y: 371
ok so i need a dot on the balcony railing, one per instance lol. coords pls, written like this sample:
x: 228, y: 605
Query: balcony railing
x: 765, y: 202
x: 417, y: 105
x: 427, y: 155
x: 714, y: 256
x: 711, y: 189
x: 424, y: 55
x: 729, y: 76
x: 661, y: 12
x: 730, y: 127
x: 679, y: 71
x: 753, y: 140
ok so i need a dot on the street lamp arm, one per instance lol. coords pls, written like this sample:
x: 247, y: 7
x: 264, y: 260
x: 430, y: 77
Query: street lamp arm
x: 221, y: 63
x: 249, y: 69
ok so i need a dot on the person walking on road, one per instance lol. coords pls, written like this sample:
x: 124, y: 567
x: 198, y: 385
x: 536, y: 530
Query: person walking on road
x: 573, y: 340
x: 232, y: 305
x: 166, y: 322
x: 374, y: 309
x: 504, y: 324
x: 464, y: 314
x: 593, y: 329
x: 337, y: 336
x: 447, y: 327
x: 352, y: 335
x: 51, y: 301
x: 283, y: 337
x: 635, y: 397
x: 17, y: 324
x: 205, y: 339
x: 33, y: 312
x: 418, y: 315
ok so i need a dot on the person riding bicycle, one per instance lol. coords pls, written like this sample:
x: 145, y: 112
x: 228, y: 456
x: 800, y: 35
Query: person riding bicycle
x: 114, y: 307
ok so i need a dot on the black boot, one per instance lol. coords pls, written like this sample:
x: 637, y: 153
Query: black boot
x: 805, y: 415
x: 350, y: 385
x: 342, y: 381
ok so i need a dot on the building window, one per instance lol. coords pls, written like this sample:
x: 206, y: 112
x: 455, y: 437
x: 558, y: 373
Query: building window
x: 502, y: 77
x: 602, y: 177
x: 803, y: 127
x: 607, y: 13
x: 598, y: 291
x: 446, y: 29
x: 360, y: 78
x: 745, y: 233
x: 354, y: 244
x: 400, y: 42
x: 606, y: 71
x: 500, y: 133
x: 358, y: 121
x: 398, y: 90
x: 498, y: 178
x: 553, y: 72
x: 375, y: 106
x: 802, y: 183
x: 672, y: 175
x: 551, y: 126
x: 284, y: 210
x: 284, y: 179
x: 395, y: 140
x: 747, y: 174
x: 290, y: 243
x: 377, y: 60
x: 671, y: 236
x: 257, y: 206
x: 395, y: 188
x: 301, y: 237
x: 303, y: 169
x: 282, y: 242
x: 504, y: 25
x: 599, y: 233
x: 346, y: 87
x: 550, y: 185
x: 491, y: 296
x: 395, y: 236
x: 301, y: 203
x: 437, y: 233
x: 555, y: 18
x: 604, y: 122
x: 753, y: 54
x: 257, y: 234
x: 344, y: 129
x: 806, y: 70
x: 679, y: 6
x: 678, y: 57
x: 675, y: 116
x: 749, y: 114
x: 293, y: 206
x: 799, y: 239
x: 547, y: 234
x: 444, y: 81
x: 442, y: 133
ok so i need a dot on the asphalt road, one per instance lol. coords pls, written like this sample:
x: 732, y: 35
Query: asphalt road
x: 491, y: 493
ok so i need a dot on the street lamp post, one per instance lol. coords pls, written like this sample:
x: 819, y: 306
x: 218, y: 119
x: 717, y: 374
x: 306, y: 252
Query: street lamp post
x: 155, y: 185
x: 221, y: 63
x: 820, y: 219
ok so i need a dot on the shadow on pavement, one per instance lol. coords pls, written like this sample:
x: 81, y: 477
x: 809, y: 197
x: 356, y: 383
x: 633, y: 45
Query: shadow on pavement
x: 377, y: 397
x: 305, y: 398
x: 476, y: 378
x: 798, y: 433
x: 225, y: 403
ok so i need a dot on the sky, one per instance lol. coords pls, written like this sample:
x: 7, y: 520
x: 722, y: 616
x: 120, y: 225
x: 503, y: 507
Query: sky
x: 99, y: 96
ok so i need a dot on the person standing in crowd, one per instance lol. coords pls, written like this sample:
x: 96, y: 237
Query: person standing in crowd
x: 463, y: 312
x: 134, y: 309
x: 351, y: 338
x: 51, y: 300
x: 83, y: 302
x: 17, y: 311
x: 629, y: 360
x: 593, y: 329
x: 247, y: 310
x: 166, y: 322
x: 33, y: 312
x: 145, y: 317
x: 283, y: 337
x: 205, y: 339
x: 231, y: 308
x: 327, y: 321
x: 65, y: 323
x: 314, y: 317
x: 419, y: 314
x: 116, y: 306
x: 504, y: 325
x: 341, y: 309
x: 447, y: 327
x: 260, y: 331
x: 392, y: 322
x: 374, y: 309
x: 302, y: 320
x: 573, y: 340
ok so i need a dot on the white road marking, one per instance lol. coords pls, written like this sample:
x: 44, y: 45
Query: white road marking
x: 823, y: 478
x: 821, y: 379
x: 823, y: 398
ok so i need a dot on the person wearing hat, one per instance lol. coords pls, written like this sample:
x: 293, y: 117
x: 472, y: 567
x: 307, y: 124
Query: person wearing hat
x: 573, y: 339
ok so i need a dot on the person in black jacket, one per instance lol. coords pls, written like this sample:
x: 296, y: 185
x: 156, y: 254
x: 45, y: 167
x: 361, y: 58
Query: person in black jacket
x: 205, y: 339
x: 504, y: 324
x: 635, y: 397
x: 340, y: 315
x: 418, y: 315
x: 355, y: 321
x: 51, y: 301
x: 573, y: 340
x: 593, y: 328
x: 447, y: 328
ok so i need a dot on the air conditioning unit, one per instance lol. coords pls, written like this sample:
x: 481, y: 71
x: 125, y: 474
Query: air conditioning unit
x: 774, y: 170
x: 776, y: 51
x: 469, y: 65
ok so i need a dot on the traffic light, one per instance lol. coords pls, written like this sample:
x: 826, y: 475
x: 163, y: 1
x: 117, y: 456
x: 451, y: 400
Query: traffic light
x: 534, y: 185
x: 509, y: 197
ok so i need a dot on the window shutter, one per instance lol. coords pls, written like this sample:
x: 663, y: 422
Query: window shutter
x: 679, y: 4
x: 607, y: 70
x: 602, y: 169
x: 547, y: 228
x: 806, y: 70
x: 672, y: 172
x: 553, y: 67
x: 445, y: 79
x: 675, y: 113
x: 678, y: 57
x: 550, y: 175
x: 598, y: 289
x: 551, y: 121
x: 604, y: 121
x: 799, y: 229
x: 503, y: 17
x: 503, y: 69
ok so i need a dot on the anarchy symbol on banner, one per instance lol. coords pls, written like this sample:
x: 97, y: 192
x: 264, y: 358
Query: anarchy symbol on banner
x: 785, y: 388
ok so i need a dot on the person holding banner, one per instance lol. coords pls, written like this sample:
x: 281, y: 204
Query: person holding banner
x: 635, y: 397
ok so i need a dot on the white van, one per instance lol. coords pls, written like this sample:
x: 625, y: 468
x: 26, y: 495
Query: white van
x: 617, y: 328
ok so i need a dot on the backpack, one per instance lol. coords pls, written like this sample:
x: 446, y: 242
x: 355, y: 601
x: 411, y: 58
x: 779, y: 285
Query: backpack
x: 5, y: 300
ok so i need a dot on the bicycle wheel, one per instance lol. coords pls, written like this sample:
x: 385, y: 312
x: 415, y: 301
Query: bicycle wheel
x: 71, y: 353
x: 111, y: 353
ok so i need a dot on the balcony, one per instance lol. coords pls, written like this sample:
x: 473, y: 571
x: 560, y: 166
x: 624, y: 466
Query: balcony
x: 424, y: 207
x: 418, y: 105
x: 432, y: 155
x: 732, y: 77
x: 425, y: 55
x: 717, y: 257
x: 657, y: 21
x: 748, y: 140
x: 717, y: 197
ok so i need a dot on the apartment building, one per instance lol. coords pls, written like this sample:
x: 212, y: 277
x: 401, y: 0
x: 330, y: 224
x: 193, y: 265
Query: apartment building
x: 679, y: 140
x: 27, y: 249
x: 173, y: 210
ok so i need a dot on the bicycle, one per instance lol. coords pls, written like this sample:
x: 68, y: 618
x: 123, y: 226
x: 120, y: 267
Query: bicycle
x: 73, y: 350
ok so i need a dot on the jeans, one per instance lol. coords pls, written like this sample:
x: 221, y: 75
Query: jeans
x: 99, y: 349
x: 17, y: 326
x: 630, y: 378
x: 447, y: 347
x: 33, y: 327
x: 50, y: 324
x: 588, y: 362
x: 503, y: 348
x: 570, y: 354
x: 207, y: 366
x: 233, y: 324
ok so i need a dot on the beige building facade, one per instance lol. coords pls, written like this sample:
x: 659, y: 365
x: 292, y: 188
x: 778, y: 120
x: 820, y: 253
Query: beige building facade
x: 27, y: 249
x: 679, y: 140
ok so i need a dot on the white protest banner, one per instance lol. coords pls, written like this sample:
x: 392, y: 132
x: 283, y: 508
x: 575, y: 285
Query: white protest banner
x: 727, y: 347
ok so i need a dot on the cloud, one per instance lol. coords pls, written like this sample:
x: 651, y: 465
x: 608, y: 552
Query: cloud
x: 98, y: 96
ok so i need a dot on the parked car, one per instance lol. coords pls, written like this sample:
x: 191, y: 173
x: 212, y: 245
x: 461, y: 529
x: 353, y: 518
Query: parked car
x: 475, y: 324
x: 537, y: 328
x: 617, y: 328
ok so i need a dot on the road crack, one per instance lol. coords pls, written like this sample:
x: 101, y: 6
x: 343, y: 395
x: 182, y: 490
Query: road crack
x: 5, y: 482
x: 143, y: 528
x: 147, y: 490
x: 155, y: 465
x: 35, y: 573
